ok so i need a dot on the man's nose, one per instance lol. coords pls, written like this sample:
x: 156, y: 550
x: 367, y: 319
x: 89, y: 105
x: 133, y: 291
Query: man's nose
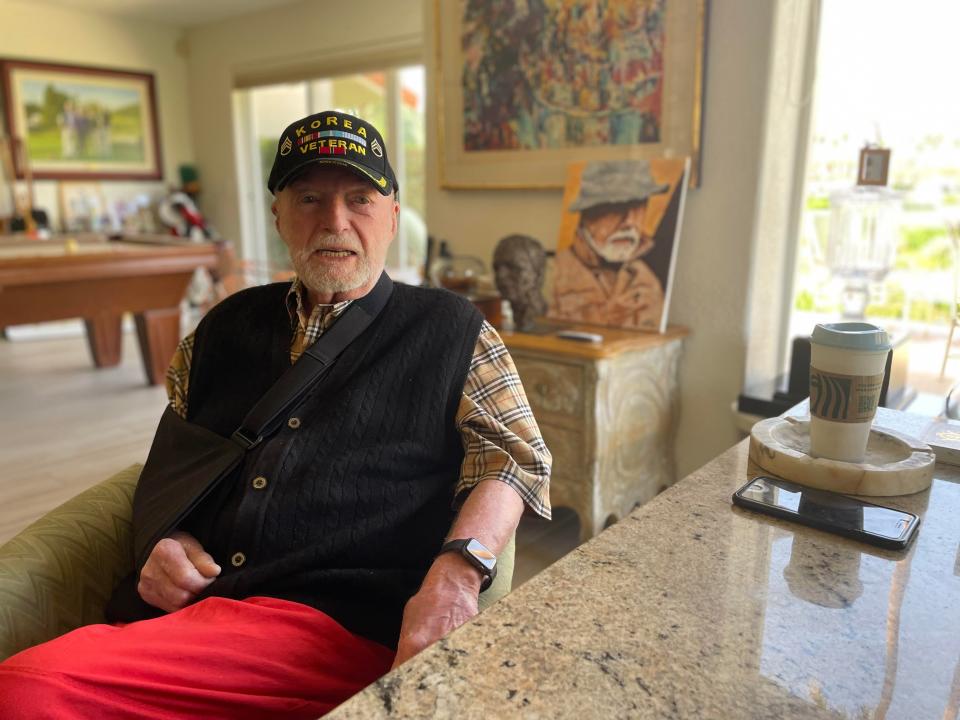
x: 635, y: 216
x: 333, y: 214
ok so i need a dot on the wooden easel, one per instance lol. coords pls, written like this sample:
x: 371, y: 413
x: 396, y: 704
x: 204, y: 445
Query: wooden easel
x: 7, y: 174
x: 26, y: 208
x: 23, y: 207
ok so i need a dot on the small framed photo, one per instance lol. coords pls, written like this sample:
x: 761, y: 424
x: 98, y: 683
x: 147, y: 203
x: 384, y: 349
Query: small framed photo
x: 874, y: 166
x: 82, y: 206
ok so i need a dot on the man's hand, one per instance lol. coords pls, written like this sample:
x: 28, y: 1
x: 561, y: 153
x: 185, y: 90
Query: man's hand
x: 446, y: 600
x: 448, y: 596
x: 176, y: 571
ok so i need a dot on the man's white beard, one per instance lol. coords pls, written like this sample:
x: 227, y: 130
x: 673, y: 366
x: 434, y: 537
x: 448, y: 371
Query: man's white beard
x: 323, y: 279
x: 616, y: 252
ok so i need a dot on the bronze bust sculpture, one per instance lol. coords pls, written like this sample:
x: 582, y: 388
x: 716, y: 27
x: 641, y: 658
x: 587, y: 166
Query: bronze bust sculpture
x: 518, y: 266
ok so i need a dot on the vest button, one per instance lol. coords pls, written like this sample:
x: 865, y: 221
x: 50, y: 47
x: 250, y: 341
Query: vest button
x: 259, y: 482
x: 238, y: 559
x: 293, y: 423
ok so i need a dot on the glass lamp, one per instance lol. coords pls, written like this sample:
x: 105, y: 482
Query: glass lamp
x: 862, y: 242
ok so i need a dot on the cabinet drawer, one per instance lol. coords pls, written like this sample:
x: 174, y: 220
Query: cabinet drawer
x: 553, y: 389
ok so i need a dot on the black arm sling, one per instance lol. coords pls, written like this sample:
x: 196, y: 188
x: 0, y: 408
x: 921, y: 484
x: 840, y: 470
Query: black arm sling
x: 187, y: 461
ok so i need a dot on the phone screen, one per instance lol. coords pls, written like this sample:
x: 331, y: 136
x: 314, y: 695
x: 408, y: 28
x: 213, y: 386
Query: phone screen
x: 829, y: 511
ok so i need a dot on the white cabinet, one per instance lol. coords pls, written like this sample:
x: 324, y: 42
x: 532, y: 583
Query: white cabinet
x: 608, y: 413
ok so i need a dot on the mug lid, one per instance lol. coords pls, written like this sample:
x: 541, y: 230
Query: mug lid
x: 851, y: 336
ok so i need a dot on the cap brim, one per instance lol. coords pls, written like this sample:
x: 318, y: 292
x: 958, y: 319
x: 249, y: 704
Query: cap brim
x: 380, y: 182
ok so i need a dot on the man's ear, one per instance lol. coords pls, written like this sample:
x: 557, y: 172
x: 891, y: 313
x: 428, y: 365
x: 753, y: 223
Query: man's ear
x: 276, y: 215
x: 395, y: 217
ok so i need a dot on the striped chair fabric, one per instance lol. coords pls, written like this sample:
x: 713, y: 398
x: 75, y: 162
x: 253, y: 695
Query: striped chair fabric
x: 57, y: 574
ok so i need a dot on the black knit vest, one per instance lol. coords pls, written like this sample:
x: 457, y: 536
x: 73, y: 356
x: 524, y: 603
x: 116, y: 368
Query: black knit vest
x: 346, y: 506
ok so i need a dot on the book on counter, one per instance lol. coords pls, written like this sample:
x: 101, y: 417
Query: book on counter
x: 944, y: 437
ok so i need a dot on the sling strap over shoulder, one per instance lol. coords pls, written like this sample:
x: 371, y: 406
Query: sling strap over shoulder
x: 186, y: 461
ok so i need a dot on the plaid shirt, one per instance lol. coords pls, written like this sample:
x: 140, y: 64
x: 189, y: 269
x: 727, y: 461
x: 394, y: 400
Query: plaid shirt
x: 501, y: 440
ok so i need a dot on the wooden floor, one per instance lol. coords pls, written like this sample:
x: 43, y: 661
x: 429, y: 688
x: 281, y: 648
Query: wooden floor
x: 65, y: 425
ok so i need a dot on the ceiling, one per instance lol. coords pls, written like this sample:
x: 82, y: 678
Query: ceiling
x: 178, y: 13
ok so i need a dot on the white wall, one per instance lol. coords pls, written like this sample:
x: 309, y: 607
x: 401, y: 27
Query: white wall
x: 305, y: 39
x: 46, y: 33
x: 713, y: 272
x: 710, y: 295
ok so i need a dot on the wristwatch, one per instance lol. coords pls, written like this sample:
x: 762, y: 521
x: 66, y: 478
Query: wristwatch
x: 478, y: 555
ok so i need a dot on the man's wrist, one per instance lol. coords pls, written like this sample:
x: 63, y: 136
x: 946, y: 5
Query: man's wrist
x: 455, y: 569
x: 477, y: 555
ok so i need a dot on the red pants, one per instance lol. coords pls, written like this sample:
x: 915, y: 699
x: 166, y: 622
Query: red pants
x: 219, y: 658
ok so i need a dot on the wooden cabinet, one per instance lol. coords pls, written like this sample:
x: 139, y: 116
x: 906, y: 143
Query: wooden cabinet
x: 608, y: 413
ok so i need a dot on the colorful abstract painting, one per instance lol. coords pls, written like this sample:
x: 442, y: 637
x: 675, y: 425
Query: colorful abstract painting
x: 562, y: 73
x: 527, y: 87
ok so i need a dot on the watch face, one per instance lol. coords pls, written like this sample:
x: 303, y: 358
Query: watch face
x: 481, y: 553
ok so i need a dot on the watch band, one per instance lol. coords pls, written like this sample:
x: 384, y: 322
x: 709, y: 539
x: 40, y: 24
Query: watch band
x: 477, y: 554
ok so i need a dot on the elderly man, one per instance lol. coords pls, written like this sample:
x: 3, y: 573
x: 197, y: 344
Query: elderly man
x: 602, y: 277
x: 368, y: 522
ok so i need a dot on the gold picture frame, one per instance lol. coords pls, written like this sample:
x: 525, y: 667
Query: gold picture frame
x: 81, y: 123
x: 655, y: 95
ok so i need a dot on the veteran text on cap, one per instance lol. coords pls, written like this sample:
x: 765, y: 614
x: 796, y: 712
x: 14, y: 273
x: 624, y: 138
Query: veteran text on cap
x: 334, y: 138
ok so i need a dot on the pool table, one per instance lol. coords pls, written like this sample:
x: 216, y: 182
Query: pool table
x: 98, y: 279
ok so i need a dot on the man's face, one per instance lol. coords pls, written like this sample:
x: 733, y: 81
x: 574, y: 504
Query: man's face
x: 615, y: 231
x: 337, y: 228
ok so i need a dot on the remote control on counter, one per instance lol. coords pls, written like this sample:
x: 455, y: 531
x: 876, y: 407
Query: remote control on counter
x: 580, y: 336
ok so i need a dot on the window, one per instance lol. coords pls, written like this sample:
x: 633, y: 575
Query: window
x: 392, y: 99
x: 880, y: 80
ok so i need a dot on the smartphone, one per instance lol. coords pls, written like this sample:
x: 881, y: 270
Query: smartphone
x: 842, y: 514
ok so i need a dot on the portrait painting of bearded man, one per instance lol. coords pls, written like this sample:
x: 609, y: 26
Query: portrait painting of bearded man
x: 618, y: 242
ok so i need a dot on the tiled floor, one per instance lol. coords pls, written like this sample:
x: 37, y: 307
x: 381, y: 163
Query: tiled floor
x: 927, y: 348
x: 541, y: 543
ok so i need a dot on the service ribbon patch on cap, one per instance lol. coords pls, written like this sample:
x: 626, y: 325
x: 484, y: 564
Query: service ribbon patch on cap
x: 332, y: 137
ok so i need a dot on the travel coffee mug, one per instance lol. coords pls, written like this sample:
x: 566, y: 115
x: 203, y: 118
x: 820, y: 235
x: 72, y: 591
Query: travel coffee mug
x: 847, y: 363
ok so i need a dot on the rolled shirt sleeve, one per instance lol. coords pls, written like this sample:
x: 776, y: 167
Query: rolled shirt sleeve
x: 501, y: 439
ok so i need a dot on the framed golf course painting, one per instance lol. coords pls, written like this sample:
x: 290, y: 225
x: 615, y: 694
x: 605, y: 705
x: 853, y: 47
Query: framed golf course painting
x: 76, y: 122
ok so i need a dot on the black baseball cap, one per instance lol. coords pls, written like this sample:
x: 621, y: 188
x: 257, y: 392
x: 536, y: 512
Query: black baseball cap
x: 335, y: 138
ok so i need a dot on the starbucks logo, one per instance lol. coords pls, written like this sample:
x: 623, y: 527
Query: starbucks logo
x: 830, y: 396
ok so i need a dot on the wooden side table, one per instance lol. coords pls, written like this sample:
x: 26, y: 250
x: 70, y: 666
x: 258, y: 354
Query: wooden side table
x: 608, y: 413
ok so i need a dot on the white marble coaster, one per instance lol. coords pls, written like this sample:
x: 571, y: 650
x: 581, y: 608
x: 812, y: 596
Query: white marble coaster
x: 895, y: 464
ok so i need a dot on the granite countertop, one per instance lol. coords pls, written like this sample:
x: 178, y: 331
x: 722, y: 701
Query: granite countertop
x: 692, y: 608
